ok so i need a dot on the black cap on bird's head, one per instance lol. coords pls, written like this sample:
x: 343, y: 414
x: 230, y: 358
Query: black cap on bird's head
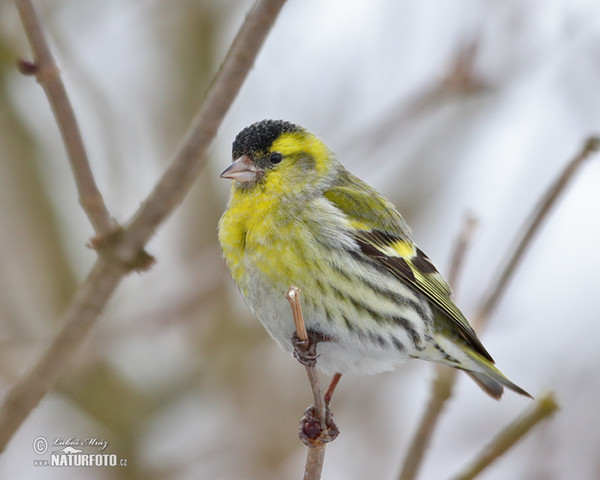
x: 258, y: 137
x: 251, y: 145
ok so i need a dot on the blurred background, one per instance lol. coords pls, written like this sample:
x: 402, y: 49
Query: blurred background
x: 447, y: 107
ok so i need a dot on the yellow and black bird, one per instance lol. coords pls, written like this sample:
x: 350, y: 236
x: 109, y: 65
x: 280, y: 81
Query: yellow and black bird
x: 370, y: 296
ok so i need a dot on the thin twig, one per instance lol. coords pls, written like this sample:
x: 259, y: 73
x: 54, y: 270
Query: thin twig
x: 461, y: 79
x: 543, y: 408
x: 539, y: 214
x: 48, y: 75
x: 315, y: 455
x: 293, y: 296
x: 445, y: 377
x: 441, y: 388
x: 463, y: 241
x: 108, y: 271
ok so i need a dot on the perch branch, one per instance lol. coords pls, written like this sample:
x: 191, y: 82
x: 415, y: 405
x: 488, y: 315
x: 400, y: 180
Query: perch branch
x: 48, y: 75
x: 315, y: 455
x: 293, y: 296
x: 94, y: 293
x: 543, y: 408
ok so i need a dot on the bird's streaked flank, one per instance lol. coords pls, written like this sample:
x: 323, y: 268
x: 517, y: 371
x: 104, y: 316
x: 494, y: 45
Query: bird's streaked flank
x: 370, y: 296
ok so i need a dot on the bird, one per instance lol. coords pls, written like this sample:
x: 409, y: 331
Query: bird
x: 371, y: 299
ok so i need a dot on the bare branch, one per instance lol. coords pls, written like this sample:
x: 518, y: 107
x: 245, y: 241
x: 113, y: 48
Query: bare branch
x: 315, y: 455
x: 293, y: 296
x: 445, y: 377
x: 543, y: 408
x: 190, y: 159
x: 48, y: 75
x: 441, y: 388
x: 79, y: 318
x: 460, y: 249
x: 461, y: 79
x: 539, y: 214
x: 109, y: 269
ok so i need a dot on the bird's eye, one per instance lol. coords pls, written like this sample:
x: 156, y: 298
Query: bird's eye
x: 275, y: 158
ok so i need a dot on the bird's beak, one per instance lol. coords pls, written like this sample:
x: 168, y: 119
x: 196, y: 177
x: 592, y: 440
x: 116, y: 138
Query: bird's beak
x: 242, y: 170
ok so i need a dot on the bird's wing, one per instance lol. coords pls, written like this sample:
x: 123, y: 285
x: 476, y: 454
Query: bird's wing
x: 383, y: 236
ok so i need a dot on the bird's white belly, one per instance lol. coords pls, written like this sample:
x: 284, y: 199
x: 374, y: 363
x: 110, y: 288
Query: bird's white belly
x: 346, y: 352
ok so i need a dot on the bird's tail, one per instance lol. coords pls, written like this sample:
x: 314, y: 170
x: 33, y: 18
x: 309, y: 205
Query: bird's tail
x: 488, y: 377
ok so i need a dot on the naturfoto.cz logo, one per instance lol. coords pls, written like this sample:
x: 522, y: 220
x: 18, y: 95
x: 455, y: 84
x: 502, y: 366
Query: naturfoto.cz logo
x: 72, y: 453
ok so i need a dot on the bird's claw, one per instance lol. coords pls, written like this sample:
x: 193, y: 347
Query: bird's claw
x: 305, y: 351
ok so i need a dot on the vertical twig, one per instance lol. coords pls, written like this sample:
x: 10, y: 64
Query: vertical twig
x: 293, y: 296
x: 315, y: 455
x: 48, y: 75
x: 543, y: 408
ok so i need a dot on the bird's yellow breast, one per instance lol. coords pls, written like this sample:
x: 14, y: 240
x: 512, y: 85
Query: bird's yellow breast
x: 257, y: 234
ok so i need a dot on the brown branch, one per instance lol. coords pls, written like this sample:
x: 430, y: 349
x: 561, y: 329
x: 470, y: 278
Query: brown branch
x: 79, y: 318
x: 190, y: 159
x: 543, y: 408
x: 441, y: 388
x: 446, y: 377
x: 109, y: 269
x: 531, y: 227
x: 315, y: 455
x: 461, y: 79
x: 48, y: 75
x: 293, y: 296
x: 461, y: 247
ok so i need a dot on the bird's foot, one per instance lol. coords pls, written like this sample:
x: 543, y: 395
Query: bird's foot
x: 305, y: 351
x: 312, y: 433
